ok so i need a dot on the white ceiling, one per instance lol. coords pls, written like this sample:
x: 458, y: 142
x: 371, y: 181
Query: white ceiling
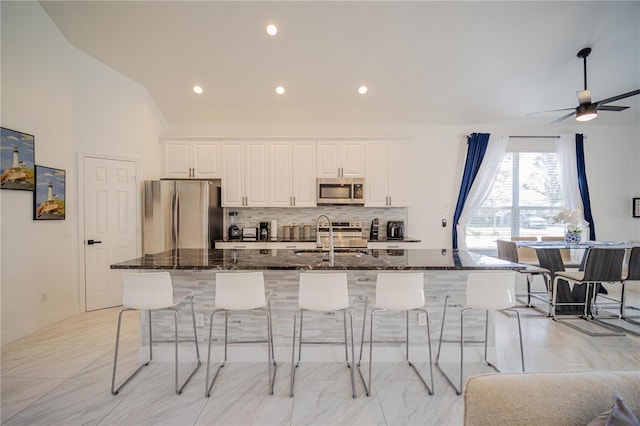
x: 425, y: 62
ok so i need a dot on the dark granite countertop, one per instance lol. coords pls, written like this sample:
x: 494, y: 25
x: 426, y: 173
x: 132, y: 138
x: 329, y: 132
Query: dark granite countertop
x: 394, y: 259
x: 280, y: 240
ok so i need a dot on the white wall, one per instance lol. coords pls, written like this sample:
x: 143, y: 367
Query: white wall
x: 437, y: 160
x: 70, y: 103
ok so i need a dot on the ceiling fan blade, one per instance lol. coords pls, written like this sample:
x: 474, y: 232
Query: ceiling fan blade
x: 557, y: 120
x: 551, y: 110
x: 611, y: 108
x: 584, y: 96
x: 616, y: 98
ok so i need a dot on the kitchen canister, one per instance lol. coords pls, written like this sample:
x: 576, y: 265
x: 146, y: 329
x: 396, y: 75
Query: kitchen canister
x: 286, y: 232
x: 274, y: 229
x: 307, y: 232
x: 295, y: 232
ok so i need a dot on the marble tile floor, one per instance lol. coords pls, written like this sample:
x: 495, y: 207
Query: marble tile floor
x: 61, y: 376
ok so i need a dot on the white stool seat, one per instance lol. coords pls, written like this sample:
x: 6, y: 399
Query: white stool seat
x: 488, y: 291
x: 241, y: 291
x: 151, y: 291
x: 323, y: 293
x: 396, y: 292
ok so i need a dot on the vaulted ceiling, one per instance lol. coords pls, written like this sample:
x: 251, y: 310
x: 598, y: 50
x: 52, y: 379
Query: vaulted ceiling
x: 423, y: 62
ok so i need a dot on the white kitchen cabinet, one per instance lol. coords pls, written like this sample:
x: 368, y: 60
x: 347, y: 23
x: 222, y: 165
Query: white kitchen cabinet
x: 245, y: 177
x: 292, y: 174
x: 386, y: 174
x: 195, y: 160
x: 340, y: 159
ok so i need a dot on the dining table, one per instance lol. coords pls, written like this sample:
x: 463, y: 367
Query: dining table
x: 549, y: 258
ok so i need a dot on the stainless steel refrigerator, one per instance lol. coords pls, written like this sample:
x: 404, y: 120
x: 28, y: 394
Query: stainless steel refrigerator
x: 181, y: 214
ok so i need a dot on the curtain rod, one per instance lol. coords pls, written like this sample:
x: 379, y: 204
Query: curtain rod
x: 528, y: 137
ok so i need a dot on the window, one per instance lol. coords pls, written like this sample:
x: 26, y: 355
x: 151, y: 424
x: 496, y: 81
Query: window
x: 524, y: 199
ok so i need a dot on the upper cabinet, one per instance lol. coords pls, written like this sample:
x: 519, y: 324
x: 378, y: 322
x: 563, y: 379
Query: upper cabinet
x: 292, y: 180
x: 195, y: 160
x: 340, y: 159
x: 387, y: 174
x: 245, y: 174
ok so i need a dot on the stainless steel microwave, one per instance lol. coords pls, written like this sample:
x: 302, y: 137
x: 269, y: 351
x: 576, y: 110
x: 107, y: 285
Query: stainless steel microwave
x: 340, y: 191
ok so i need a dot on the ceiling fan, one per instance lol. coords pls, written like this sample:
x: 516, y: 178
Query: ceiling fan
x: 587, y: 110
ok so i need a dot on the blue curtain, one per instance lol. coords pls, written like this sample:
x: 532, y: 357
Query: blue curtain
x: 584, y: 187
x: 477, y: 146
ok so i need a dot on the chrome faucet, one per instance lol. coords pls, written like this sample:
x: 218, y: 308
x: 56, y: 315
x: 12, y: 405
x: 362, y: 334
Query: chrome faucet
x: 319, y: 242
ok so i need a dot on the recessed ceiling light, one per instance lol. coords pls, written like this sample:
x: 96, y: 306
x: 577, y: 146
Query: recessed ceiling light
x: 280, y: 90
x: 198, y: 90
x: 362, y: 90
x: 272, y: 30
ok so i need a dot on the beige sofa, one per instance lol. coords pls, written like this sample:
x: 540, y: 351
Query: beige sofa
x: 547, y: 398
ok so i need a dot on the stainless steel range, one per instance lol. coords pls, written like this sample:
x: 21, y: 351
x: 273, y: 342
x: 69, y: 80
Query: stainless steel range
x: 345, y: 234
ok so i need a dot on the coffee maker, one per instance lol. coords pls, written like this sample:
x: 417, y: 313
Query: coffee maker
x: 395, y: 230
x: 263, y: 231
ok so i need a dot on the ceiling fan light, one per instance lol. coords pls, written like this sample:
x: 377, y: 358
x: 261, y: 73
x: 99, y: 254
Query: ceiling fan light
x: 586, y: 112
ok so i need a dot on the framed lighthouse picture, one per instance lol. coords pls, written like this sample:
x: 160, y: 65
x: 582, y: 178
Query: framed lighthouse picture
x: 48, y: 198
x: 16, y: 160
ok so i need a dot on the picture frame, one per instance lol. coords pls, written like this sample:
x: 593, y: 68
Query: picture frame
x: 635, y: 207
x: 49, y: 194
x: 17, y: 160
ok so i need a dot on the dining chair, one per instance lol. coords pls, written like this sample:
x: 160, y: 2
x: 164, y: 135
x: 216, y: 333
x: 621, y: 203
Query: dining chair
x: 153, y: 291
x: 526, y: 254
x: 633, y: 274
x: 487, y: 291
x: 601, y: 265
x: 396, y: 293
x: 564, y: 253
x: 508, y: 250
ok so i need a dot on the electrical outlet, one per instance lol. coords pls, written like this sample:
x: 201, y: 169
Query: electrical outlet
x: 44, y: 296
x: 199, y: 320
x: 422, y: 319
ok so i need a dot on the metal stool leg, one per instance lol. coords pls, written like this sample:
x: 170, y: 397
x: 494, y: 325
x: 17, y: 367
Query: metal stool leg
x: 115, y: 390
x: 209, y: 385
x: 293, y: 352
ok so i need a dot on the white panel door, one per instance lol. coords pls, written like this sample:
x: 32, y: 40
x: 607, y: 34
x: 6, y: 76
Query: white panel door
x: 110, y: 227
x: 281, y: 180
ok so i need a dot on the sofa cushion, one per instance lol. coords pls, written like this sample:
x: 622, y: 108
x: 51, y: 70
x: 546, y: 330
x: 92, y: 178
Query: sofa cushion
x: 547, y: 398
x: 618, y: 415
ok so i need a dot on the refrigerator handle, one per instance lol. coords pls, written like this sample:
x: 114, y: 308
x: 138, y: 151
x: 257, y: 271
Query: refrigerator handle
x: 174, y: 218
x: 204, y: 202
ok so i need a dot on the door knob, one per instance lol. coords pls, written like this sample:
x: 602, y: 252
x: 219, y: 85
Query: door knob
x: 92, y: 242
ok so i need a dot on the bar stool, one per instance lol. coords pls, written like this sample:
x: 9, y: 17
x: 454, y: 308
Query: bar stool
x: 488, y: 291
x: 322, y: 293
x: 396, y: 292
x: 152, y: 291
x: 241, y: 292
x: 633, y: 274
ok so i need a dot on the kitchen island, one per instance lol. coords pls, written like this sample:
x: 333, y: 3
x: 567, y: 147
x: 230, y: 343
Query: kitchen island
x: 351, y: 259
x: 445, y: 272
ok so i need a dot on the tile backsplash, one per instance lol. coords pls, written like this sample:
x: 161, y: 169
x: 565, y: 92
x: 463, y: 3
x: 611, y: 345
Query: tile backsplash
x: 250, y: 217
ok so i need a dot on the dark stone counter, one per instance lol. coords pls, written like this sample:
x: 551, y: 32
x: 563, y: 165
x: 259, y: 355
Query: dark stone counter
x: 395, y: 259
